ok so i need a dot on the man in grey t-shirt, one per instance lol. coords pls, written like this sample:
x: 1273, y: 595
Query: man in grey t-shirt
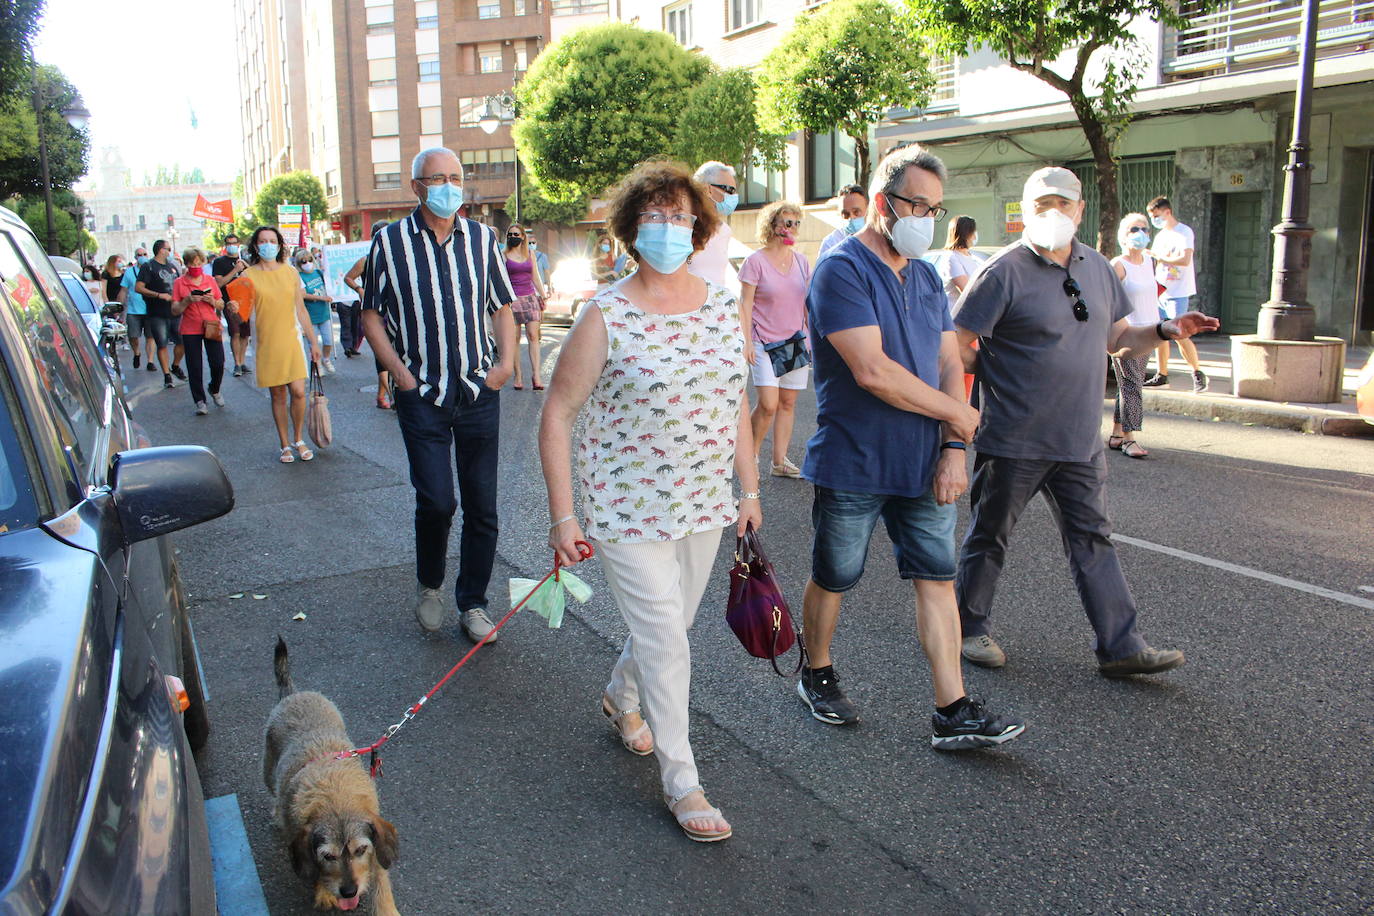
x: 1046, y: 311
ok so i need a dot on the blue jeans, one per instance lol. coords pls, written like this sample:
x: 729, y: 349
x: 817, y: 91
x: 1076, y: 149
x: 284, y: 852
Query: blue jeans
x: 922, y: 534
x: 431, y: 435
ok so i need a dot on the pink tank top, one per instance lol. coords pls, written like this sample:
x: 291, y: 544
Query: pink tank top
x: 521, y: 276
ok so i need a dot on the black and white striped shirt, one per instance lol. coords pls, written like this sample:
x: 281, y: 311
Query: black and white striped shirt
x: 435, y: 300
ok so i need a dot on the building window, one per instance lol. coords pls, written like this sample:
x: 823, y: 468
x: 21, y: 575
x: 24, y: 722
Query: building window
x: 386, y: 176
x: 432, y: 120
x: 382, y: 72
x: 677, y: 22
x: 427, y: 22
x: 759, y: 186
x: 331, y: 182
x: 522, y: 59
x: 142, y: 221
x: 519, y: 8
x: 381, y: 15
x: 429, y: 68
x: 386, y: 123
x: 744, y: 13
x: 489, y: 58
x: 488, y: 164
x: 469, y: 111
x: 830, y: 164
x: 114, y: 222
x: 489, y: 10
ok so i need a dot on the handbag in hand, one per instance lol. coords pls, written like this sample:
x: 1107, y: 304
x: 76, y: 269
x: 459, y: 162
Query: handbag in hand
x: 789, y: 354
x: 756, y: 610
x: 317, y: 422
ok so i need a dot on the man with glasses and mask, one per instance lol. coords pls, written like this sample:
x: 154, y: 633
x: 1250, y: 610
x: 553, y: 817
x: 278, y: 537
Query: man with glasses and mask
x: 891, y: 427
x: 436, y: 310
x: 712, y: 263
x: 1045, y: 312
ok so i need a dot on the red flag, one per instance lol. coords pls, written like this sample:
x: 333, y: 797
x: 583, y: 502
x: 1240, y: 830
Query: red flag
x: 221, y: 211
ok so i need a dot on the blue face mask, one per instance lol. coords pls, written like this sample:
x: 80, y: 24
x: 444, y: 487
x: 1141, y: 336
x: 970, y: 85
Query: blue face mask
x: 1158, y: 222
x: 268, y: 250
x: 854, y: 224
x: 443, y: 201
x: 663, y: 246
x: 1138, y: 239
x: 231, y: 250
x: 141, y: 259
x: 727, y: 206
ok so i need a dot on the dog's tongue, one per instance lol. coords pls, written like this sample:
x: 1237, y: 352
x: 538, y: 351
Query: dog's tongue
x: 348, y: 903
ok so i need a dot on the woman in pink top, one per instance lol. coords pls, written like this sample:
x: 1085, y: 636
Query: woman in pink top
x: 528, y: 306
x: 196, y: 298
x: 773, y: 285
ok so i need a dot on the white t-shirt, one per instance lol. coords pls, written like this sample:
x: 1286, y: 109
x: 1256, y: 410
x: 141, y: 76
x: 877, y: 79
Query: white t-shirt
x: 712, y: 263
x: 1141, y: 290
x: 958, y: 265
x: 1178, y: 281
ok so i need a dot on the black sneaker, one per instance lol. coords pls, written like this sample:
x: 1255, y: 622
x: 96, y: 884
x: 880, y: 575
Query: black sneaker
x: 179, y: 373
x: 152, y: 367
x: 168, y: 381
x: 1156, y: 381
x: 136, y: 360
x: 1199, y: 382
x: 238, y: 370
x: 971, y: 727
x: 821, y: 693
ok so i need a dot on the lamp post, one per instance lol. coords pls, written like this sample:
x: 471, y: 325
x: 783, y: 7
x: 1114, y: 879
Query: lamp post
x: 1288, y: 315
x: 77, y: 116
x: 493, y: 114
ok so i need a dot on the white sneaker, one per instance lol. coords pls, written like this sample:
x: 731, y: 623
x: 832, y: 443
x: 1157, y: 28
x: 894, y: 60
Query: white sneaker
x: 786, y: 469
x: 477, y: 625
x: 201, y: 409
x: 218, y: 399
x: 328, y: 367
x: 429, y: 607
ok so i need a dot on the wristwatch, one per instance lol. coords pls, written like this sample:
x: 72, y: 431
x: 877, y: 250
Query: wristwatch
x: 959, y: 445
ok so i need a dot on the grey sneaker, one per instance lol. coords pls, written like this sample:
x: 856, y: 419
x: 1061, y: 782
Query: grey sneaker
x: 477, y: 625
x: 218, y: 399
x: 1146, y: 661
x: 201, y: 409
x: 1199, y: 382
x: 984, y: 652
x: 429, y: 608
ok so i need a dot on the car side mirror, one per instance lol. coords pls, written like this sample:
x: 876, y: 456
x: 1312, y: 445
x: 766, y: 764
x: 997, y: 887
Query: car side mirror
x: 110, y: 309
x: 167, y: 488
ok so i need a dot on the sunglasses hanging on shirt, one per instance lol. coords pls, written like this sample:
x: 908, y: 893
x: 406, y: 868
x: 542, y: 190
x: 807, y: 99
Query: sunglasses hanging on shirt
x: 1080, y: 308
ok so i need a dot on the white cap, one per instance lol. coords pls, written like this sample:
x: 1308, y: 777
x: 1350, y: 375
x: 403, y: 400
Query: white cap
x: 1052, y: 180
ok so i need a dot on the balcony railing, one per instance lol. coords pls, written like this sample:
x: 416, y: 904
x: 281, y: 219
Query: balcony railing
x: 1246, y: 35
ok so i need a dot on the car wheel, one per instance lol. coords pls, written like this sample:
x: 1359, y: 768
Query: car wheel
x: 196, y: 719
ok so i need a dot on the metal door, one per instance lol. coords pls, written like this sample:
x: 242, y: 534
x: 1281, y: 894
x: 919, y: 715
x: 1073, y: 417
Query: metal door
x: 1244, y: 263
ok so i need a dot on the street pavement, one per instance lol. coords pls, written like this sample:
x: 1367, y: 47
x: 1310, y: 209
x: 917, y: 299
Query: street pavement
x: 1240, y: 783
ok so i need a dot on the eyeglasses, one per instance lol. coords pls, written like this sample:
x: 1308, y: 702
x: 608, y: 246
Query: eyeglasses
x: 791, y: 223
x: 1080, y: 308
x: 685, y: 220
x: 920, y: 208
x: 436, y: 180
x: 727, y: 188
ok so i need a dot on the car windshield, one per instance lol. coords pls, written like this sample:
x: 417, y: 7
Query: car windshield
x: 80, y: 295
x: 17, y: 506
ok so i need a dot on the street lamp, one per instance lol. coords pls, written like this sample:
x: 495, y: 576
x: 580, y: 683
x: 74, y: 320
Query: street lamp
x: 77, y: 116
x: 492, y: 116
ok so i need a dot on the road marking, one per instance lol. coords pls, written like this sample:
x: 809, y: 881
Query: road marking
x: 1294, y: 584
x: 237, y: 887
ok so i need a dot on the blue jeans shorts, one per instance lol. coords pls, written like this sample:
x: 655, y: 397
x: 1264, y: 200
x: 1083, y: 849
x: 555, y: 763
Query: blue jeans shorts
x: 1172, y: 308
x: 922, y: 534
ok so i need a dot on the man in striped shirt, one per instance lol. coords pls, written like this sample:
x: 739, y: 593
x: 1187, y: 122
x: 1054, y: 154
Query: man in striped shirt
x: 435, y: 294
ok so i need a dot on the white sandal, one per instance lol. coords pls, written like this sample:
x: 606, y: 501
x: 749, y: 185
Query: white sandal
x: 609, y: 711
x: 286, y: 456
x: 305, y: 452
x: 698, y: 836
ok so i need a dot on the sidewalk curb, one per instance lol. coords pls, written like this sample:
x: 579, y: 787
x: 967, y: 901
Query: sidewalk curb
x: 1226, y: 408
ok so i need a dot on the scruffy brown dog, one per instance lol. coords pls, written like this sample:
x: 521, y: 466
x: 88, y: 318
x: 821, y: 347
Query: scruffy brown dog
x: 326, y: 808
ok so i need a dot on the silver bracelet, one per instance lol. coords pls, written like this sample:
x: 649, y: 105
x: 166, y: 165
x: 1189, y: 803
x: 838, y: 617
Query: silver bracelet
x: 566, y: 518
x: 749, y: 496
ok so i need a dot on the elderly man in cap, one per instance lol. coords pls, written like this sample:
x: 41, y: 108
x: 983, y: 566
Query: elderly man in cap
x: 1045, y: 312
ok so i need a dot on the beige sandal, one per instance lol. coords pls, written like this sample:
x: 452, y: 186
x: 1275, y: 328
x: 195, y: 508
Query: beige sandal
x: 609, y: 711
x: 286, y: 456
x: 698, y: 836
x: 304, y: 450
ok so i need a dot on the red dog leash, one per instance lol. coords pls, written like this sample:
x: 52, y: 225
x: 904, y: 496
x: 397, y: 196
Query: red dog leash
x: 584, y: 550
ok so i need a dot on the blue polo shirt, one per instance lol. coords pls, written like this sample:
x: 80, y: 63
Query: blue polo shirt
x: 862, y: 443
x: 133, y: 302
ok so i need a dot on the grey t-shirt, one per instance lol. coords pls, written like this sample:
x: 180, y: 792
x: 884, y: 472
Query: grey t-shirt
x: 1042, y: 372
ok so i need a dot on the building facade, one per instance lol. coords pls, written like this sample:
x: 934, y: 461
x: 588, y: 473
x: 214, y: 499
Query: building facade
x: 272, y: 69
x: 123, y: 216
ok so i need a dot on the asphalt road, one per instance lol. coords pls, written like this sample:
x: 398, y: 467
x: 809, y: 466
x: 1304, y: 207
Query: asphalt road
x: 1241, y: 783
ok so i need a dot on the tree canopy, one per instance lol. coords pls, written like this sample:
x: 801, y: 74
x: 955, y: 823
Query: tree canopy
x: 1034, y: 37
x: 292, y: 188
x: 71, y: 236
x: 21, y: 19
x: 843, y: 67
x: 536, y: 208
x: 718, y: 122
x: 599, y: 101
x: 68, y: 149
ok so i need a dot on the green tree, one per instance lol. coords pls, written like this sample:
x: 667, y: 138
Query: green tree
x: 21, y: 19
x: 71, y: 237
x: 842, y: 68
x: 292, y: 188
x: 718, y: 121
x: 195, y: 176
x: 599, y: 101
x: 68, y: 149
x: 1056, y: 43
x: 536, y: 208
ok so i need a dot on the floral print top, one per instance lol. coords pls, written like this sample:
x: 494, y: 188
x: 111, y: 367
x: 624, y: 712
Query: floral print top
x: 657, y: 459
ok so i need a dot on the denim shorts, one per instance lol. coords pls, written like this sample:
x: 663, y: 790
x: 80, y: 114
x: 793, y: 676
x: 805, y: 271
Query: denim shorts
x: 162, y: 330
x: 922, y: 534
x: 134, y: 324
x: 1172, y: 308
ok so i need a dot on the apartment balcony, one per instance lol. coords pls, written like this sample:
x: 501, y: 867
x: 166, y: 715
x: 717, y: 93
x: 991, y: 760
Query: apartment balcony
x: 469, y: 27
x: 1247, y: 35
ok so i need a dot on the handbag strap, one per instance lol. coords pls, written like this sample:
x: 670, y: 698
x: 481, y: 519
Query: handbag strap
x: 801, y: 651
x: 316, y: 381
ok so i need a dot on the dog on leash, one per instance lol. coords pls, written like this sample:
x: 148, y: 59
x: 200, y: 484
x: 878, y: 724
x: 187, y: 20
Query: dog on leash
x: 326, y: 807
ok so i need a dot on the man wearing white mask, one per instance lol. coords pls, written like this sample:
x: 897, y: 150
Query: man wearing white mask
x: 852, y: 203
x: 712, y: 263
x: 892, y: 424
x: 1045, y: 312
x: 436, y: 310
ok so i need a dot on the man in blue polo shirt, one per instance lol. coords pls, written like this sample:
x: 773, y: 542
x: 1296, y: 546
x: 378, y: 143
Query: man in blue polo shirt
x: 892, y: 425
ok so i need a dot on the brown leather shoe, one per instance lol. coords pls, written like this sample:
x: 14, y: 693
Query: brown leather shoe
x: 1146, y: 661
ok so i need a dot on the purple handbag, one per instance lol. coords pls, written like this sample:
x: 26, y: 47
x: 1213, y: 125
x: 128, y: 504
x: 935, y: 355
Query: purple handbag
x: 756, y: 610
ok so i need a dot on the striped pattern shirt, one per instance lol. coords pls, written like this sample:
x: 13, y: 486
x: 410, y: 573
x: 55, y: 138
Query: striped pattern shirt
x: 436, y: 300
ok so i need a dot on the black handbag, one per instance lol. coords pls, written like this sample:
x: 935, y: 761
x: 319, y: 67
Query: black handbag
x: 788, y: 354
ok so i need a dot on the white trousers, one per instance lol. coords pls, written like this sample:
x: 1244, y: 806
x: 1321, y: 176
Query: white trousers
x: 658, y: 586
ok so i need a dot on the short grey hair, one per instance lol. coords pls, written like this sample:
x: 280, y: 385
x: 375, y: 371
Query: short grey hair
x: 709, y: 170
x: 891, y: 169
x: 417, y: 165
